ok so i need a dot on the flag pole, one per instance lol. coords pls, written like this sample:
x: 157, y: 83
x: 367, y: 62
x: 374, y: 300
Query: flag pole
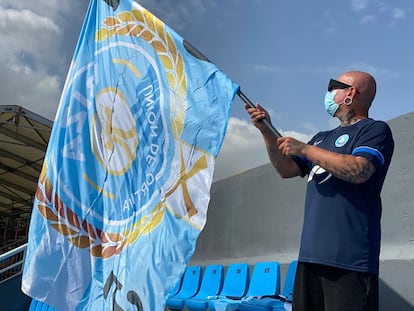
x: 196, y: 53
x: 265, y: 121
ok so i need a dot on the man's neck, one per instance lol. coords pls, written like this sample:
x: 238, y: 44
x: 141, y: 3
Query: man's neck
x: 351, y: 118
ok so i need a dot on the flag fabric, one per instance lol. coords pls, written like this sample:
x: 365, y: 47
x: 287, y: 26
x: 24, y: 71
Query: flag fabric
x: 124, y: 189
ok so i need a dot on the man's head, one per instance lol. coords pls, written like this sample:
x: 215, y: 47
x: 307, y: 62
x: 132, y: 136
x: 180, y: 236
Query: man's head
x: 355, y: 90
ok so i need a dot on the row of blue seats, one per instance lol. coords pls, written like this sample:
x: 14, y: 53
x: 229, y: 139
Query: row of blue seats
x: 234, y: 290
x: 37, y: 305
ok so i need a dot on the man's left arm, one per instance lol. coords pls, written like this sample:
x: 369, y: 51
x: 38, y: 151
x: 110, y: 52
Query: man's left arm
x: 351, y: 168
x: 374, y: 149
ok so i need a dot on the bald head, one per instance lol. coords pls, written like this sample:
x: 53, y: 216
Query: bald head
x: 365, y: 85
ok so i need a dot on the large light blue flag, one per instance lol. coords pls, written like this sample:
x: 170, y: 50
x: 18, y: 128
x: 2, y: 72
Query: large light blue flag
x: 124, y: 189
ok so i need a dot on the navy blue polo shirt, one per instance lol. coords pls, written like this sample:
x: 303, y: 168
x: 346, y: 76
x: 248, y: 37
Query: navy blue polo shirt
x: 342, y: 220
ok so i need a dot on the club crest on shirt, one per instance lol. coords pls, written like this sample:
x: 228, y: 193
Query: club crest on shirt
x: 342, y: 140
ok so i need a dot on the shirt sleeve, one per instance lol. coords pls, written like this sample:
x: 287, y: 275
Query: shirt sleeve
x: 376, y: 144
x: 303, y: 163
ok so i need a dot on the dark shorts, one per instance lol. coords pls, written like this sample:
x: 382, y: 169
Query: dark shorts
x: 325, y: 288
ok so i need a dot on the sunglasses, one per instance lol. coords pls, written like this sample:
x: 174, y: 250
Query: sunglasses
x: 335, y: 84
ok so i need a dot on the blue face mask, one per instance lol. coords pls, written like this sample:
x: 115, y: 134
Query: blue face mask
x: 330, y: 106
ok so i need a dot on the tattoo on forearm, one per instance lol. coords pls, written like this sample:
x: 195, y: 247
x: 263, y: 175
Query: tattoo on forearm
x: 352, y: 173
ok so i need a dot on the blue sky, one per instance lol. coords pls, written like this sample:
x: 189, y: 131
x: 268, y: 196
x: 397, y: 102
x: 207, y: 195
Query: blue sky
x: 281, y: 53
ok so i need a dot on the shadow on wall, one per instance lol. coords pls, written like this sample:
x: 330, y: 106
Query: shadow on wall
x: 391, y: 300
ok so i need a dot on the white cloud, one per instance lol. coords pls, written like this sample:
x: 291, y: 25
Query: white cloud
x: 38, y: 6
x: 300, y: 136
x: 374, y: 70
x: 28, y: 47
x: 368, y: 19
x: 382, y: 7
x: 36, y: 44
x: 265, y: 69
x: 328, y: 25
x: 398, y: 14
x: 243, y: 148
x: 26, y: 32
x: 358, y: 5
x: 364, y: 67
x: 36, y: 91
x: 380, y: 11
x: 176, y: 13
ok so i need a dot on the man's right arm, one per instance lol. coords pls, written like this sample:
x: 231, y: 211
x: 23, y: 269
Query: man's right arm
x: 285, y: 166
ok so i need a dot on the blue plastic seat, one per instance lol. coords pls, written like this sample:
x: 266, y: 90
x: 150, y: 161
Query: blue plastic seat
x: 265, y: 281
x: 211, y: 284
x: 176, y: 288
x: 189, y: 287
x: 236, y: 281
x: 33, y: 305
x: 36, y: 305
x: 235, y: 285
x: 277, y: 302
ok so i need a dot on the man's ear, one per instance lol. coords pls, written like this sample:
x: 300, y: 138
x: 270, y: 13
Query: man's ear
x: 348, y: 100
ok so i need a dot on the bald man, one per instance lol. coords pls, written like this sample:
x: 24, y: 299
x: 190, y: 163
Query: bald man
x: 345, y: 168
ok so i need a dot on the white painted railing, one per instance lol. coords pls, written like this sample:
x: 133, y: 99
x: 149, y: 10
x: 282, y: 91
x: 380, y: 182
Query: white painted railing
x: 11, y: 263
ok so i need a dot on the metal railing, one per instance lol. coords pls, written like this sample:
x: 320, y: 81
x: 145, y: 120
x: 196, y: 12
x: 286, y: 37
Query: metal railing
x: 11, y: 263
x: 12, y: 245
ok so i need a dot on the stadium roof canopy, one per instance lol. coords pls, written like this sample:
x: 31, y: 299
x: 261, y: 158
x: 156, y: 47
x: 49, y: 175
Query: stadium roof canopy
x: 24, y: 136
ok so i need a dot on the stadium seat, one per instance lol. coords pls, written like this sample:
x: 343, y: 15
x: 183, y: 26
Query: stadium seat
x: 265, y: 281
x: 36, y: 305
x: 277, y: 302
x: 176, y: 288
x: 235, y: 285
x: 33, y: 305
x: 236, y: 281
x: 189, y: 287
x: 211, y: 284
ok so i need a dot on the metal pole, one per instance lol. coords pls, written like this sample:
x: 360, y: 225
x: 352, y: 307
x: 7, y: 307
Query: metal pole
x: 265, y: 121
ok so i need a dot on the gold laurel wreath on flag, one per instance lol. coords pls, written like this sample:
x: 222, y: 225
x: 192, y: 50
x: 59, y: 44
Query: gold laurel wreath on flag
x: 83, y: 234
x: 102, y: 244
x: 141, y: 23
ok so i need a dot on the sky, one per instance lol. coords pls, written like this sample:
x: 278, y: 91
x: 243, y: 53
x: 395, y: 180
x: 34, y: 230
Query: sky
x: 281, y: 53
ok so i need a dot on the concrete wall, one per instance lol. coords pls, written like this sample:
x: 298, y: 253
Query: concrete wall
x: 257, y: 216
